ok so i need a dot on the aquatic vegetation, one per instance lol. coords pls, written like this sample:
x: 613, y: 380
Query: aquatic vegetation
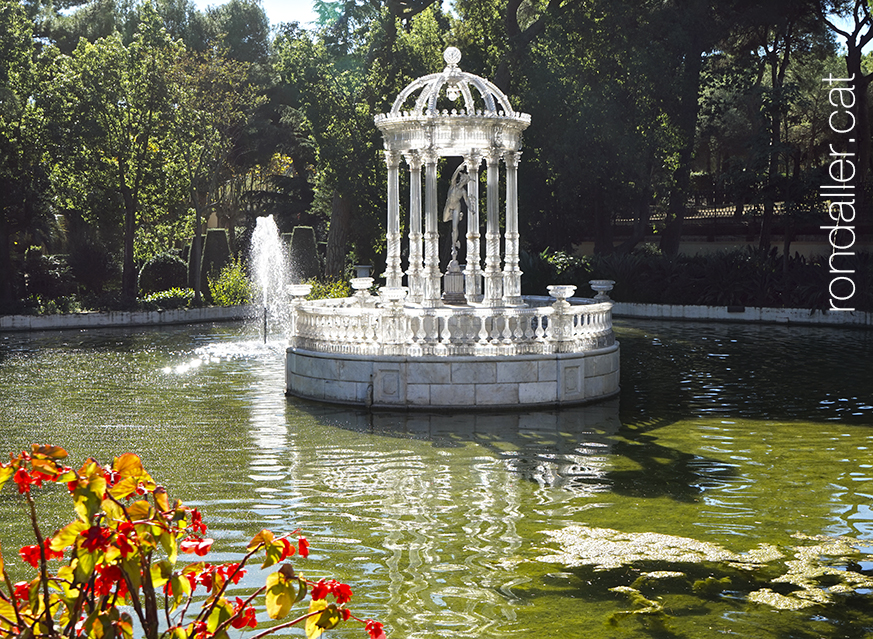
x: 817, y: 573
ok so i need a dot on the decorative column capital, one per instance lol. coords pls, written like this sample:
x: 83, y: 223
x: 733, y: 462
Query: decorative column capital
x: 430, y: 156
x: 392, y: 159
x: 492, y: 155
x: 512, y: 158
x: 473, y: 159
x: 414, y: 160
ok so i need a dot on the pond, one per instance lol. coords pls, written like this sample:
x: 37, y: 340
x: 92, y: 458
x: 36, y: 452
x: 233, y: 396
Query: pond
x: 728, y: 435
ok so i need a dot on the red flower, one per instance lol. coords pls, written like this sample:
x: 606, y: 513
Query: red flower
x: 320, y: 590
x: 232, y: 572
x: 374, y: 629
x: 346, y: 613
x: 24, y: 480
x: 197, y: 522
x: 30, y: 554
x: 287, y: 549
x: 107, y: 578
x: 303, y: 547
x: 196, y: 546
x: 342, y: 592
x: 22, y: 591
x: 52, y: 554
x: 247, y: 618
x: 96, y: 538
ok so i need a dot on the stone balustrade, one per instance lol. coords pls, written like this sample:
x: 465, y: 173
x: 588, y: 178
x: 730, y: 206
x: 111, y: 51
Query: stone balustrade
x: 364, y: 325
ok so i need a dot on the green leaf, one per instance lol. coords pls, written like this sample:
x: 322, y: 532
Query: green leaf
x: 168, y: 542
x: 84, y: 565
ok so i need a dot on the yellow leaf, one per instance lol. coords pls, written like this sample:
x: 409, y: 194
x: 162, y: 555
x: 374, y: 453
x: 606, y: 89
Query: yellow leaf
x: 161, y: 499
x: 128, y: 465
x: 5, y: 473
x: 281, y: 595
x: 313, y: 630
x: 124, y: 488
x: 67, y: 535
x: 114, y: 511
x: 139, y: 510
x: 263, y: 537
x: 54, y: 452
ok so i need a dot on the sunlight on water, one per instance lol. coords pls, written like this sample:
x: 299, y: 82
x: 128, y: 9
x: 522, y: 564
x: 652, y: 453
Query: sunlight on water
x: 436, y: 520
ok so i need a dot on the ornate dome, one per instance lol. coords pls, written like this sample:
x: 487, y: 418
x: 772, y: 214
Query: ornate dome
x: 486, y: 119
x: 453, y: 83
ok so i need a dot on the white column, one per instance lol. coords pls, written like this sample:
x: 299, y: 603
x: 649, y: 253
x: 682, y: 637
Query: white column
x: 415, y: 274
x: 431, y: 235
x: 393, y: 272
x: 473, y: 271
x: 493, y: 278
x: 511, y: 272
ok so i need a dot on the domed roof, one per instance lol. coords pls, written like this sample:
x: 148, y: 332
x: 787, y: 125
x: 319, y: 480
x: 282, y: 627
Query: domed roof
x: 453, y: 83
x: 486, y: 120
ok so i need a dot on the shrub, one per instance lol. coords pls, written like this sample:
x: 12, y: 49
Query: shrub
x: 162, y: 272
x: 119, y: 557
x: 47, y: 275
x: 171, y: 298
x: 324, y: 289
x: 91, y: 263
x: 232, y: 286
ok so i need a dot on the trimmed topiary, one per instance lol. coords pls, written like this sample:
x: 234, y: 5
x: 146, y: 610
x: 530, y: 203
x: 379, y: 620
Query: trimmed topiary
x: 161, y: 273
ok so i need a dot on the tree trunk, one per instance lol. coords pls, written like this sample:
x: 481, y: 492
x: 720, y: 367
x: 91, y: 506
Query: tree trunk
x: 128, y: 269
x: 7, y: 286
x: 337, y: 237
x: 687, y: 122
x: 602, y: 229
x: 861, y: 134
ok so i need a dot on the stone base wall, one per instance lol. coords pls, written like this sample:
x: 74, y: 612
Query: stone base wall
x: 461, y: 383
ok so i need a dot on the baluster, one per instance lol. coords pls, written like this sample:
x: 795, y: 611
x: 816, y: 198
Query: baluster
x: 483, y: 329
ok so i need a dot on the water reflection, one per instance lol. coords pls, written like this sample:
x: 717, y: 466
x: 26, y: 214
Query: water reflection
x: 566, y: 449
x: 718, y: 435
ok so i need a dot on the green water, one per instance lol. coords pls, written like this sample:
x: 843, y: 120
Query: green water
x: 729, y: 434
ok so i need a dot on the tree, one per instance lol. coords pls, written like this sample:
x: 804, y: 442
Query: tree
x: 216, y: 102
x: 339, y: 79
x: 857, y: 36
x: 115, y: 105
x: 25, y: 213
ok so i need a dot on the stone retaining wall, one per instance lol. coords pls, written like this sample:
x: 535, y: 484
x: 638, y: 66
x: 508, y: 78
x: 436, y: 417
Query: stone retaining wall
x: 800, y: 316
x: 462, y: 383
x: 124, y: 318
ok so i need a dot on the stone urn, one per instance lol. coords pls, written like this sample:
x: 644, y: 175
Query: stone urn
x: 602, y: 288
x: 299, y: 291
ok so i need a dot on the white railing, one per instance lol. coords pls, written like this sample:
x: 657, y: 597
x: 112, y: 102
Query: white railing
x: 362, y: 326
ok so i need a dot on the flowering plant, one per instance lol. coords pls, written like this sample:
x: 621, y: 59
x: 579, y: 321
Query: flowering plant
x: 122, y: 553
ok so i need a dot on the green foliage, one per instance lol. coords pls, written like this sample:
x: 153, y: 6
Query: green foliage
x: 162, y: 272
x: 232, y: 286
x: 47, y: 275
x: 303, y: 253
x: 170, y: 298
x: 744, y: 277
x: 328, y: 288
x: 120, y: 557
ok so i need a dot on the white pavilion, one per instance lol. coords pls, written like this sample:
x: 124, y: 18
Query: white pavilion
x: 466, y: 338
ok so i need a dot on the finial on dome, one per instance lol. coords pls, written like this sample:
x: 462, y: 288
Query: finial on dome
x: 452, y: 56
